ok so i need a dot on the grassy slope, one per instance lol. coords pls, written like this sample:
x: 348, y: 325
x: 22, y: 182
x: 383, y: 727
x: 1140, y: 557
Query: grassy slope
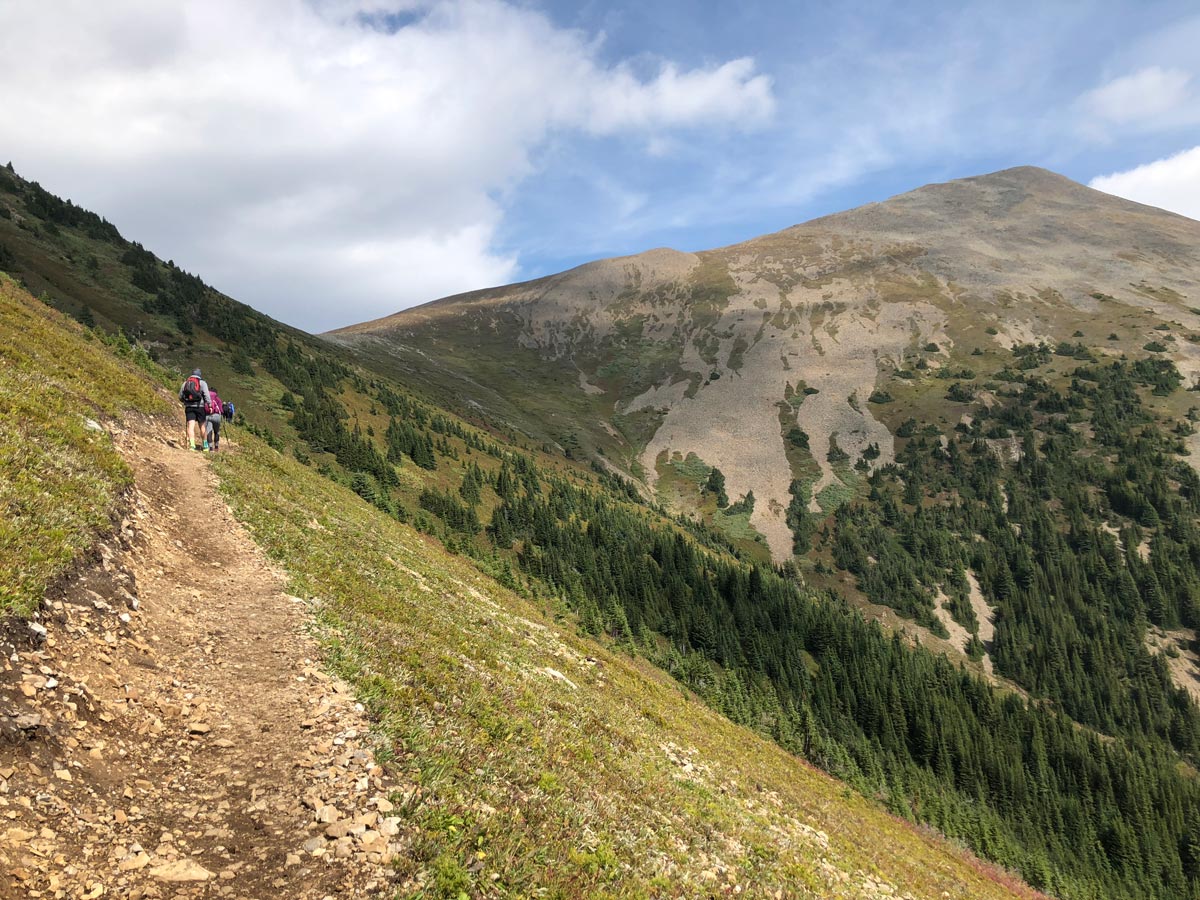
x: 619, y: 785
x: 60, y: 478
x: 56, y: 263
x: 615, y: 784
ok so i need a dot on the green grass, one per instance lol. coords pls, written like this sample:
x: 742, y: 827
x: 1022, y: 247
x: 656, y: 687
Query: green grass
x: 736, y: 526
x: 61, y: 479
x: 560, y: 791
x: 841, y: 491
x: 619, y: 786
x: 692, y: 468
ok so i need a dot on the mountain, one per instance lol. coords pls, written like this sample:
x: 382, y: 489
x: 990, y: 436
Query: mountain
x: 664, y: 353
x: 158, y: 728
x: 586, y: 692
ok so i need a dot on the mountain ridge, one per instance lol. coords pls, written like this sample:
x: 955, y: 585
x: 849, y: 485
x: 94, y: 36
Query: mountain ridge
x: 904, y: 267
x: 1014, y: 178
x: 1043, y: 486
x: 163, y: 732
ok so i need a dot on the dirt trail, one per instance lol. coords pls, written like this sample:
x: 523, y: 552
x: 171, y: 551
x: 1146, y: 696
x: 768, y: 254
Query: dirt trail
x: 170, y: 735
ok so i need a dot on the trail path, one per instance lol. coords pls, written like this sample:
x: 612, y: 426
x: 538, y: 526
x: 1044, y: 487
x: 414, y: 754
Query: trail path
x: 190, y: 747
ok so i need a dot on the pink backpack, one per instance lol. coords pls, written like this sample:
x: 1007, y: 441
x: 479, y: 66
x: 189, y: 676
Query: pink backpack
x: 214, y: 404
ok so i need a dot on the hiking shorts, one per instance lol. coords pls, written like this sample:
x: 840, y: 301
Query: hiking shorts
x: 194, y: 414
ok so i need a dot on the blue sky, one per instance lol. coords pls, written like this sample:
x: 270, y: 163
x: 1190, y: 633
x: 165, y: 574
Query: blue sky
x: 872, y: 99
x: 329, y: 161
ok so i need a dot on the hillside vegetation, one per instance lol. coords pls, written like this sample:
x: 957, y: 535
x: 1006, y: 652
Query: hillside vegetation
x: 61, y: 481
x: 1100, y: 810
x: 548, y: 764
x: 544, y: 763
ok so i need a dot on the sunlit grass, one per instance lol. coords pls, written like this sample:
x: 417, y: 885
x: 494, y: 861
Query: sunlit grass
x: 60, y: 476
x: 544, y: 764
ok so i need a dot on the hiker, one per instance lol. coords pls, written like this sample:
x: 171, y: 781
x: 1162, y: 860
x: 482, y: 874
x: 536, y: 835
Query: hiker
x: 194, y: 397
x: 212, y: 425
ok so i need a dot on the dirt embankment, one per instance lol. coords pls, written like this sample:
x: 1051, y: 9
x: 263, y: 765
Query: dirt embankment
x: 165, y: 731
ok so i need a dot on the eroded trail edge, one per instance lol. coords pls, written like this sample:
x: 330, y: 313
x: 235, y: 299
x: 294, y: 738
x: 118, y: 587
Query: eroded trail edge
x: 171, y: 733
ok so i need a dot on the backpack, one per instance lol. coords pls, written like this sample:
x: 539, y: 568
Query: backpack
x: 213, y: 408
x: 191, y: 391
x: 227, y: 411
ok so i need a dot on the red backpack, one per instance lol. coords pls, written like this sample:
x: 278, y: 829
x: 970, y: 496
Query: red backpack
x: 191, y: 391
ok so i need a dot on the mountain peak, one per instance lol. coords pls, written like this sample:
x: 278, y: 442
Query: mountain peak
x: 838, y: 303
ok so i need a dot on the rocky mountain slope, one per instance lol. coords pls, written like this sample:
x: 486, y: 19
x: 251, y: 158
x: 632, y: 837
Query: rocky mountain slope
x: 169, y: 729
x: 501, y: 604
x: 718, y: 354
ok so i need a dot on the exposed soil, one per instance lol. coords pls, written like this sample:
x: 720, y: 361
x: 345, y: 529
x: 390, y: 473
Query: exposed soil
x: 1179, y: 650
x: 170, y: 734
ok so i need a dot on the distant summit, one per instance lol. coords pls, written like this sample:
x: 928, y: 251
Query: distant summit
x: 668, y: 353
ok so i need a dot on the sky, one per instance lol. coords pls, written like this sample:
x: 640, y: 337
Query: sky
x: 333, y: 161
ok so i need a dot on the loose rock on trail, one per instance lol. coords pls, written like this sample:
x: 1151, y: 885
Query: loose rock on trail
x: 165, y: 729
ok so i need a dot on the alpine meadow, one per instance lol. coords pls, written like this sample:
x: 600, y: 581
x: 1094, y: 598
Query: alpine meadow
x: 860, y: 559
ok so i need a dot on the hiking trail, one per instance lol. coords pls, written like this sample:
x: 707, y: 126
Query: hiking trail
x: 171, y: 734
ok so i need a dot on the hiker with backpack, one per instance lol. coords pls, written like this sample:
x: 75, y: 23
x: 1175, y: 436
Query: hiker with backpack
x: 194, y: 397
x: 214, y: 410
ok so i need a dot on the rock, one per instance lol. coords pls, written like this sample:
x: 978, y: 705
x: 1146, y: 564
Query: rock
x: 390, y: 827
x: 181, y: 870
x: 134, y: 862
x: 339, y: 829
x: 328, y: 814
x: 314, y: 845
x: 27, y: 722
x: 199, y: 728
x: 559, y: 676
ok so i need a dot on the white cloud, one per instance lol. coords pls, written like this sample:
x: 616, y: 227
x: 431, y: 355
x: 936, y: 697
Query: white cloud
x: 1172, y: 183
x: 731, y: 92
x: 327, y: 161
x: 1152, y: 95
